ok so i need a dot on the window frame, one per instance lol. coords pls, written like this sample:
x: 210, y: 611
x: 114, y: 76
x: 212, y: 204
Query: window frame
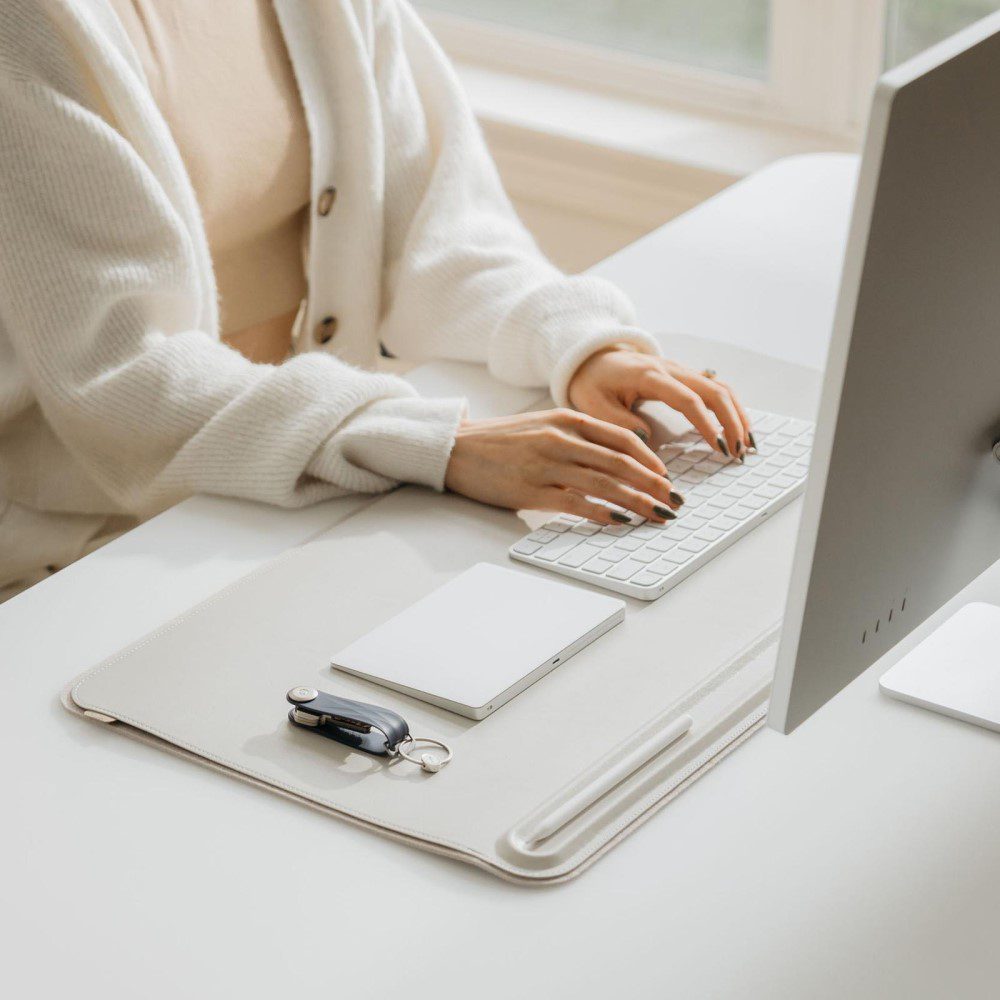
x: 824, y: 57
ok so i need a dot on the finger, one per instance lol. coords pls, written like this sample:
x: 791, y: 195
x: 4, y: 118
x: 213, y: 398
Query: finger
x: 748, y: 438
x: 568, y: 502
x: 592, y: 483
x: 720, y: 401
x: 612, y: 410
x: 618, y: 439
x: 622, y: 468
x: 657, y: 385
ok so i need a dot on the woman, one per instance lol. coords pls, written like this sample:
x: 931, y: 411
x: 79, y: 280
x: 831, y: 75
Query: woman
x: 213, y: 215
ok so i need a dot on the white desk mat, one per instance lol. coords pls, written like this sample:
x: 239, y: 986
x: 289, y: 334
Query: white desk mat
x: 211, y: 684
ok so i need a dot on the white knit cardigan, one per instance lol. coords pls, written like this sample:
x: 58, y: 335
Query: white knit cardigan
x: 117, y: 397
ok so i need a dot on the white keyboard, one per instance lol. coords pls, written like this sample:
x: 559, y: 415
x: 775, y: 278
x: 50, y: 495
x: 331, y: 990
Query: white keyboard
x: 725, y: 500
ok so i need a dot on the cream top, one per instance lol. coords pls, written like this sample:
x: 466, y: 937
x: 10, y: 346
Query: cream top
x: 222, y: 78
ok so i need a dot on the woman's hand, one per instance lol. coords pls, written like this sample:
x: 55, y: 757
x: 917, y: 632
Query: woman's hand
x: 611, y: 382
x: 554, y: 460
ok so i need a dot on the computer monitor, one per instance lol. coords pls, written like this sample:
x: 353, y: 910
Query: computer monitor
x: 902, y: 508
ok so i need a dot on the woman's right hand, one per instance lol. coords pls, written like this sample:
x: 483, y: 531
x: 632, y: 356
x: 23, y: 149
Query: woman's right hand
x: 554, y: 460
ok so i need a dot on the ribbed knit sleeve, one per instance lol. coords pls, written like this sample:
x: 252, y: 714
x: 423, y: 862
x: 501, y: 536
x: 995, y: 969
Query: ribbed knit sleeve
x: 464, y: 279
x: 99, y: 296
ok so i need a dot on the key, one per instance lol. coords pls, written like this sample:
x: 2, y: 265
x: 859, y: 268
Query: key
x: 795, y: 450
x: 704, y: 490
x: 741, y: 512
x: 662, y: 544
x: 695, y: 520
x: 601, y: 540
x: 737, y: 491
x: 646, y: 555
x: 692, y: 545
x: 616, y: 529
x: 754, y: 502
x: 527, y: 548
x: 781, y: 460
x: 798, y: 470
x: 579, y: 555
x: 783, y: 481
x: 707, y: 466
x: 598, y: 565
x: 625, y: 569
x: 647, y: 578
x: 586, y: 528
x: 668, y: 452
x: 645, y: 532
x: 542, y: 535
x: 722, y: 501
x: 708, y: 534
x: 769, y: 422
x: 795, y: 427
x: 725, y: 523
x: 669, y: 562
x: 780, y: 440
x: 629, y: 544
x: 754, y: 480
x: 768, y: 492
x: 614, y: 554
x: 557, y: 549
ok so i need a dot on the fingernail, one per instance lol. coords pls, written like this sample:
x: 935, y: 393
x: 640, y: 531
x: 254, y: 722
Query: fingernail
x: 723, y: 447
x: 617, y: 515
x: 641, y: 435
x: 677, y: 498
x: 740, y: 448
x: 664, y: 512
x: 753, y: 443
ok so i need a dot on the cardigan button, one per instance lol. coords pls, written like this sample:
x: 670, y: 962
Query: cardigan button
x: 326, y: 200
x: 325, y: 329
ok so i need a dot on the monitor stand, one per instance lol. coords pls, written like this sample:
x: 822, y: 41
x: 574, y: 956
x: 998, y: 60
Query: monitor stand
x: 956, y: 669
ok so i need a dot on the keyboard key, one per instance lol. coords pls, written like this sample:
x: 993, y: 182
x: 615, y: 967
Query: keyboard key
x: 598, y: 565
x: 767, y: 492
x: 695, y: 520
x: 625, y: 569
x: 722, y: 501
x: 795, y: 427
x: 662, y: 544
x: 557, y: 549
x: 646, y: 555
x: 586, y: 528
x: 542, y: 535
x: 709, y: 534
x: 629, y: 544
x: 799, y: 470
x: 614, y: 554
x: 669, y: 562
x: 741, y: 512
x: 578, y: 556
x: 783, y: 481
x: 616, y: 529
x: 725, y: 523
x: 645, y: 532
x: 601, y: 540
x: 754, y: 480
x: 557, y: 526
x: 755, y: 502
x: 692, y: 545
x: 737, y: 491
x: 795, y: 450
x: 647, y: 579
x: 527, y: 548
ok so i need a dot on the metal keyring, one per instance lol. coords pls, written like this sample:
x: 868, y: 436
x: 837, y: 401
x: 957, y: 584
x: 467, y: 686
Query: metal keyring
x: 425, y: 760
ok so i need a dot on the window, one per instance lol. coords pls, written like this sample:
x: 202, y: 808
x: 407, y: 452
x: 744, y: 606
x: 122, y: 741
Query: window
x: 730, y: 36
x: 805, y: 63
x: 913, y: 25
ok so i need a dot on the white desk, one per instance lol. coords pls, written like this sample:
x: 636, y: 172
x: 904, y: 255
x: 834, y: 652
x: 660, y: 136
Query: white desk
x: 858, y: 857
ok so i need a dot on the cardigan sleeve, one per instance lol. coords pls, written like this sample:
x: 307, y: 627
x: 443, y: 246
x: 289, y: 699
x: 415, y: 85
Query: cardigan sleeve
x: 464, y: 279
x: 97, y: 277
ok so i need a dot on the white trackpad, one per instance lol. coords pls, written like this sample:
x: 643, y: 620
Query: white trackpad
x: 482, y: 638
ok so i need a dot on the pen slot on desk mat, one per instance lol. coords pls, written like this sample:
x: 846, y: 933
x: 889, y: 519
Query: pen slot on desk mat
x: 648, y: 765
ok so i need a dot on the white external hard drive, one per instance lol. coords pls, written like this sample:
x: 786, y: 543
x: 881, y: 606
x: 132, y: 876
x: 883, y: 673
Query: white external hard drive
x: 482, y: 638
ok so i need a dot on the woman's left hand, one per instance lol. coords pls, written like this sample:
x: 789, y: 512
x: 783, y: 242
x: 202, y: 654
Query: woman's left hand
x: 611, y: 382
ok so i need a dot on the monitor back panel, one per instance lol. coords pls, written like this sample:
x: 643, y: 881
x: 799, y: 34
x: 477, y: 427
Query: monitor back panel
x: 902, y: 509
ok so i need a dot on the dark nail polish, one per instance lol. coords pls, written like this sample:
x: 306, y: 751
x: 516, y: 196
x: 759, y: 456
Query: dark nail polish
x: 753, y: 443
x: 641, y: 435
x: 677, y: 498
x: 664, y: 512
x: 723, y: 447
x: 617, y: 515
